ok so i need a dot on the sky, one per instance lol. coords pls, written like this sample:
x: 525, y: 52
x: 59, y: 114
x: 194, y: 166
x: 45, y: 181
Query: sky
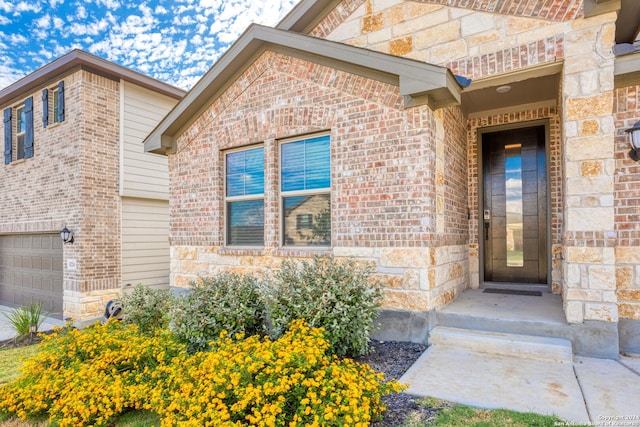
x: 175, y: 41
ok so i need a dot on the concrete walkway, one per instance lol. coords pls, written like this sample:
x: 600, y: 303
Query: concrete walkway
x: 587, y: 391
x: 7, y: 332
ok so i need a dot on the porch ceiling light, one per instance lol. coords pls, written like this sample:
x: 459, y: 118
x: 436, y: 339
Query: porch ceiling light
x: 634, y: 153
x: 66, y: 235
x: 503, y: 89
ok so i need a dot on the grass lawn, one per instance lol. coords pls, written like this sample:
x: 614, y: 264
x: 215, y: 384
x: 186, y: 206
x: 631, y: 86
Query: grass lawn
x: 461, y: 415
x: 10, y: 361
x: 449, y: 415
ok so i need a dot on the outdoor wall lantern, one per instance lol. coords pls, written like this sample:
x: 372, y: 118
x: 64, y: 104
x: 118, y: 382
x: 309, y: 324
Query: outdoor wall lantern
x: 66, y: 235
x: 635, y: 141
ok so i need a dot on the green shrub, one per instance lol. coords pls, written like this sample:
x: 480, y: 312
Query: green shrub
x: 229, y: 302
x: 335, y: 295
x: 22, y: 318
x: 147, y: 308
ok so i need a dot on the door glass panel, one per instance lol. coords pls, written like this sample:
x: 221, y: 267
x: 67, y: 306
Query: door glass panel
x: 513, y: 183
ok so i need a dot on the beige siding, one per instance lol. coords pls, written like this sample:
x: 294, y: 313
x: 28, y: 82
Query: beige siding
x: 145, y: 242
x: 143, y: 174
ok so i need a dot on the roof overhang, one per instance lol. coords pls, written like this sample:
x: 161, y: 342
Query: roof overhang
x: 627, y: 70
x: 598, y: 7
x: 79, y: 59
x: 419, y: 83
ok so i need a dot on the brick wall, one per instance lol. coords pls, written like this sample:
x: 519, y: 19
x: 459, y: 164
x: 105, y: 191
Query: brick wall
x: 627, y: 205
x: 72, y: 181
x: 383, y: 180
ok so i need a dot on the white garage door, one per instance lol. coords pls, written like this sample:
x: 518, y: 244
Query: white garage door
x: 31, y: 270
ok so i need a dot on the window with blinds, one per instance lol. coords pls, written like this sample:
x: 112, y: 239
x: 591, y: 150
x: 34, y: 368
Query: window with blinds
x: 305, y: 177
x: 244, y: 197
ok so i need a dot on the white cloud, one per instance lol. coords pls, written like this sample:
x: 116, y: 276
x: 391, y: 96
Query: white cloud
x: 17, y: 39
x: 81, y: 13
x: 24, y: 6
x: 175, y: 41
x: 43, y: 22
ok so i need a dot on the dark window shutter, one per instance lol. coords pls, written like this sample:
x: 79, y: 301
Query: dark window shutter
x: 61, y: 101
x: 45, y: 108
x: 7, y: 136
x: 28, y: 128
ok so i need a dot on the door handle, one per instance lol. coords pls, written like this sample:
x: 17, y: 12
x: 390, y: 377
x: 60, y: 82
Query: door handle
x: 486, y: 230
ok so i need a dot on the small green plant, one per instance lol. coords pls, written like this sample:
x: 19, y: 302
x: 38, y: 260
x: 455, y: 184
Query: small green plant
x: 335, y: 295
x: 26, y: 319
x: 229, y: 302
x: 147, y: 308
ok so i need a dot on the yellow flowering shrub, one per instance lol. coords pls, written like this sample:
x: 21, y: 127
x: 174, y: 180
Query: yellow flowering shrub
x: 87, y: 377
x: 291, y: 381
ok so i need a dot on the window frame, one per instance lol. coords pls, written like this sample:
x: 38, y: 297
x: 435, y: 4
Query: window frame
x: 300, y: 193
x: 55, y: 105
x: 230, y: 199
x: 21, y: 119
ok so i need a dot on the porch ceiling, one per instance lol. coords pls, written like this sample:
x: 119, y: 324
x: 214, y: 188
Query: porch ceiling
x: 531, y: 87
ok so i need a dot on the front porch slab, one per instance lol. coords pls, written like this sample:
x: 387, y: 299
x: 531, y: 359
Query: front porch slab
x: 540, y: 316
x: 493, y: 381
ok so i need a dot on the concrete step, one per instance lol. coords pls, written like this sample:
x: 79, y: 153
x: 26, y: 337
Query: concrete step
x: 505, y: 344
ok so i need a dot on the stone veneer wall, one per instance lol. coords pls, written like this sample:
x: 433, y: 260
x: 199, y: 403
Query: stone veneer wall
x: 383, y: 179
x: 589, y: 231
x: 476, y: 40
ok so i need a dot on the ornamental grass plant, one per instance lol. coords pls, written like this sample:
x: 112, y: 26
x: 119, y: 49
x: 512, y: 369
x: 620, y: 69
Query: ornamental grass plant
x: 25, y: 318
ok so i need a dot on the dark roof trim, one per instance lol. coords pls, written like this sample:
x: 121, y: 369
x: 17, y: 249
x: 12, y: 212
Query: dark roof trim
x: 626, y: 70
x: 419, y: 82
x: 81, y: 59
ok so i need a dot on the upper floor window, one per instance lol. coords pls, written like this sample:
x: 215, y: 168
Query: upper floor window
x: 305, y: 177
x: 18, y: 121
x: 20, y: 131
x: 244, y: 197
x: 53, y: 104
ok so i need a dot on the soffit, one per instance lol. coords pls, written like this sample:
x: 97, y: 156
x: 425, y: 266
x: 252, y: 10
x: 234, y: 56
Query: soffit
x: 531, y: 86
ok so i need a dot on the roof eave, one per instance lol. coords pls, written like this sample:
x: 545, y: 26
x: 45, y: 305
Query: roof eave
x: 627, y: 70
x: 80, y: 59
x: 419, y: 82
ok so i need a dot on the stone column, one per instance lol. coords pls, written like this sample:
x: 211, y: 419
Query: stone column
x: 589, y: 166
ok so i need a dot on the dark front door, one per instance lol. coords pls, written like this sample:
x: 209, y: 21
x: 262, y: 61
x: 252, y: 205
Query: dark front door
x: 514, y: 212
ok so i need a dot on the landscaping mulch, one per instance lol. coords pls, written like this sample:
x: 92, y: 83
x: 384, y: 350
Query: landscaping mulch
x: 13, y: 343
x: 394, y: 359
